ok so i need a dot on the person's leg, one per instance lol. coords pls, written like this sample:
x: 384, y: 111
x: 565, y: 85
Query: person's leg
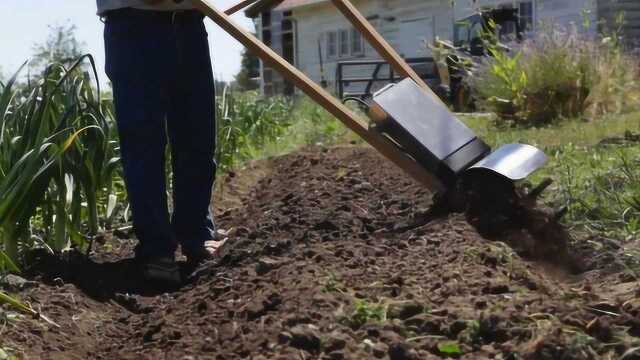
x: 191, y: 124
x: 137, y: 64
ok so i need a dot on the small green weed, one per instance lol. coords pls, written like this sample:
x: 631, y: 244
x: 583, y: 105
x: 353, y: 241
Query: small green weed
x: 450, y: 348
x: 332, y: 284
x: 365, y: 312
x: 5, y: 354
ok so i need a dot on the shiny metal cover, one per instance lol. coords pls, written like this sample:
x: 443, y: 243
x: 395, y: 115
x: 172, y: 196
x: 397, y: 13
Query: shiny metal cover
x: 513, y: 161
x: 425, y: 117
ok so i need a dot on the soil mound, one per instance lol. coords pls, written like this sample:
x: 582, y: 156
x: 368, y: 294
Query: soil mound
x: 316, y: 267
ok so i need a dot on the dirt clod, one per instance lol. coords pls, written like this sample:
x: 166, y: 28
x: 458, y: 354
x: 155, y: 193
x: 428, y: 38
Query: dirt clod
x: 305, y: 337
x: 404, y: 310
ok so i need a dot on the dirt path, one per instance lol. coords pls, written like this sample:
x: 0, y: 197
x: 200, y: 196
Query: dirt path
x: 315, y: 269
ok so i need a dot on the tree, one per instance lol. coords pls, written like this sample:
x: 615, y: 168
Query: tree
x: 249, y: 70
x: 61, y: 46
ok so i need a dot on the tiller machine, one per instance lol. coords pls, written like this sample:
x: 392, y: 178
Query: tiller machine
x: 414, y: 129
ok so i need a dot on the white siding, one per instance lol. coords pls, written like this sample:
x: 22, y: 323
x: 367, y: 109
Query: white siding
x: 558, y: 12
x: 313, y: 22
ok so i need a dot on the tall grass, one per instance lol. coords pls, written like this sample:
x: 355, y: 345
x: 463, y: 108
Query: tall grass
x: 559, y: 73
x: 247, y: 123
x: 57, y: 155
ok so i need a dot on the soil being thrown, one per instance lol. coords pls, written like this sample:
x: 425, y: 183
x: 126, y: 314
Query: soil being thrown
x: 316, y: 268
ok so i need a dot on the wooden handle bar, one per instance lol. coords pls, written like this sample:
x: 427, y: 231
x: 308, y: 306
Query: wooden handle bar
x: 239, y: 6
x: 320, y: 96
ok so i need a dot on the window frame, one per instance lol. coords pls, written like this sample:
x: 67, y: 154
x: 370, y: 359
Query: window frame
x: 352, y: 37
x: 332, y: 45
x: 344, y: 45
x: 341, y: 43
x: 529, y: 18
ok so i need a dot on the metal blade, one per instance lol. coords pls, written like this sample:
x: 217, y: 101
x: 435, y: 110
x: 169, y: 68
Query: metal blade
x: 513, y: 161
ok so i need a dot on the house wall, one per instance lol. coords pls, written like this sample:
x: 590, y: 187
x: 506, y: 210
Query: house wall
x: 387, y: 16
x: 558, y: 12
x: 609, y: 10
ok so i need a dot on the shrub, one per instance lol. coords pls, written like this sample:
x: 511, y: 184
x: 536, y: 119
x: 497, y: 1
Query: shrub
x: 559, y: 73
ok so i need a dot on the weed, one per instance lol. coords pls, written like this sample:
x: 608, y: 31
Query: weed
x: 365, y: 312
x: 332, y: 284
x: 450, y: 348
x: 472, y: 332
x: 5, y: 354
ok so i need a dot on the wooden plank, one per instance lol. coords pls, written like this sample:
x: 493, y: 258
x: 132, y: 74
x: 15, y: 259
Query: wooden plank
x: 320, y: 96
x: 260, y: 6
x: 239, y: 6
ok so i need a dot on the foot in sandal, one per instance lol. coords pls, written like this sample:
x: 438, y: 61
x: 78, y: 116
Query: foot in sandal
x: 209, y: 251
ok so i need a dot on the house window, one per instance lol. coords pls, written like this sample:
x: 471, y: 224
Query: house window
x: 357, y: 45
x: 344, y: 43
x: 332, y: 44
x: 526, y: 15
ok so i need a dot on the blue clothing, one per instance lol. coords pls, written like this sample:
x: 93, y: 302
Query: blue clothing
x: 160, y: 68
x: 170, y: 5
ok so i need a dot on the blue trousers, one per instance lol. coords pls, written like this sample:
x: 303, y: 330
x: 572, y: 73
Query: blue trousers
x: 160, y: 68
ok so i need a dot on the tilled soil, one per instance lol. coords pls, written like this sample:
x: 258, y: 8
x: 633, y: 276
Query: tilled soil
x: 317, y: 267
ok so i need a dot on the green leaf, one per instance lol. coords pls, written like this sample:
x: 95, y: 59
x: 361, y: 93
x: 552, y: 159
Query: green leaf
x: 7, y: 264
x: 111, y: 204
x: 449, y: 348
x: 15, y: 303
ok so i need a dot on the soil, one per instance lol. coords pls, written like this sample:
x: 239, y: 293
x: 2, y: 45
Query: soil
x: 320, y: 265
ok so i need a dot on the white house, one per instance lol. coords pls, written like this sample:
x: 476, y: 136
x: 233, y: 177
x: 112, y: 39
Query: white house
x: 315, y: 37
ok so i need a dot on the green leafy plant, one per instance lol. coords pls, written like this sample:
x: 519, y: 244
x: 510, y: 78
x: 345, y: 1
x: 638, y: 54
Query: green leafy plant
x: 247, y: 122
x: 24, y: 308
x: 449, y: 348
x: 558, y: 73
x: 332, y: 284
x: 365, y: 312
x: 56, y: 154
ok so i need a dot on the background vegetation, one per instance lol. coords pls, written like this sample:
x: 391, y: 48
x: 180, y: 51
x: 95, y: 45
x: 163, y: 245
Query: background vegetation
x: 559, y: 73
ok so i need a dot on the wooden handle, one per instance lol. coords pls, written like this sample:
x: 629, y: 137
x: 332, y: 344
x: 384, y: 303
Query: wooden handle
x: 239, y: 6
x: 320, y: 96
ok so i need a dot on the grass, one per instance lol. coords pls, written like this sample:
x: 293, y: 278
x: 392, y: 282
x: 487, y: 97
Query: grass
x: 309, y: 125
x: 596, y: 169
x: 549, y: 137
